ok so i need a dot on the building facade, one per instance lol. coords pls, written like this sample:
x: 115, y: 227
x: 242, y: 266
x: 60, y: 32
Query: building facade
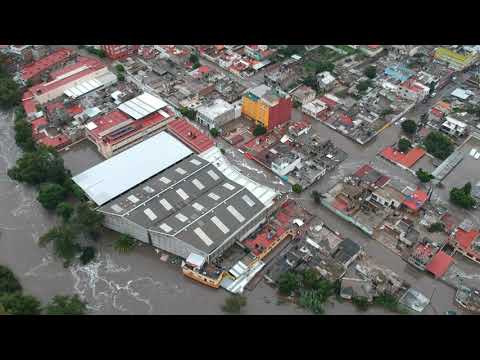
x: 215, y: 114
x: 266, y: 107
x: 454, y: 59
x: 120, y: 51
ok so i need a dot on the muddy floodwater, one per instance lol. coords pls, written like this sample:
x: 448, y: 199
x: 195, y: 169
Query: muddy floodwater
x: 140, y: 283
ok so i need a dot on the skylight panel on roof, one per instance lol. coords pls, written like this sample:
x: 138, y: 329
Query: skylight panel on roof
x: 213, y: 175
x: 166, y: 204
x: 228, y: 186
x: 235, y: 213
x: 148, y: 189
x: 204, y: 237
x: 198, y: 206
x: 151, y: 215
x: 213, y: 196
x: 181, y: 217
x: 165, y: 180
x: 133, y: 199
x: 195, y: 162
x: 220, y: 225
x: 117, y: 208
x: 165, y: 228
x: 180, y: 171
x: 182, y: 194
x: 248, y: 200
x: 198, y: 184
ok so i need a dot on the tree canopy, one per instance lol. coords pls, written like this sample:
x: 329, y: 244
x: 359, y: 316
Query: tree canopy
x: 23, y: 134
x: 462, y: 197
x: 214, y: 132
x: 234, y: 304
x: 19, y: 304
x: 371, y: 72
x: 87, y: 220
x: 64, y: 246
x: 424, y: 176
x: 438, y: 145
x: 404, y: 145
x: 297, y: 188
x: 64, y: 210
x: 124, y: 243
x: 50, y: 195
x: 66, y: 305
x: 289, y: 282
x: 409, y: 126
x: 259, y: 130
x: 43, y: 165
x: 9, y: 90
x: 8, y: 281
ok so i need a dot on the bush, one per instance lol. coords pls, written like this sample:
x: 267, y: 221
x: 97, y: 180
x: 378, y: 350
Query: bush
x: 436, y: 227
x: 297, y: 188
x: 189, y: 113
x: 88, y: 254
x: 361, y: 303
x: 404, y: 145
x: 462, y: 197
x: 424, y: 176
x: 51, y: 195
x: 18, y: 304
x: 66, y: 305
x: 120, y: 77
x: 234, y: 304
x: 438, y: 145
x: 119, y: 68
x: 124, y: 244
x: 370, y: 72
x: 259, y: 130
x: 388, y: 302
x: 311, y: 300
x: 8, y: 281
x: 64, y: 210
x: 409, y: 126
x: 214, y: 132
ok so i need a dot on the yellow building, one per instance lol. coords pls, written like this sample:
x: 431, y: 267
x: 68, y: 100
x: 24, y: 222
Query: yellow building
x: 456, y: 60
x: 266, y: 107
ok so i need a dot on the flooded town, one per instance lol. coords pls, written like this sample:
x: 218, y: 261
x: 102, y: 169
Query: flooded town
x: 251, y: 179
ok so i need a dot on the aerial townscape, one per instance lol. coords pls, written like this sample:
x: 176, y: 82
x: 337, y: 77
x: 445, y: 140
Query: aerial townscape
x: 240, y: 179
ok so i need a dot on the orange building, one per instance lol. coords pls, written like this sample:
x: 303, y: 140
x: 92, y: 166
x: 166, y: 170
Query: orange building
x: 264, y: 106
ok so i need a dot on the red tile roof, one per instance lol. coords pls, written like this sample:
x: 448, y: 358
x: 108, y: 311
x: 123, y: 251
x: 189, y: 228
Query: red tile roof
x: 346, y: 120
x: 36, y: 124
x: 84, y: 66
x: 465, y: 238
x: 190, y: 135
x: 439, y: 264
x: 108, y: 121
x: 329, y: 102
x: 45, y: 63
x: 30, y: 106
x: 407, y: 160
x: 363, y: 170
x: 416, y: 200
x: 382, y: 180
x: 56, y: 142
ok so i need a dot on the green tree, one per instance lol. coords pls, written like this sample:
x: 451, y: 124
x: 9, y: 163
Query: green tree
x: 462, y: 197
x: 18, y: 304
x: 193, y: 58
x: 234, y: 304
x: 438, y: 145
x: 8, y: 282
x: 124, y: 243
x: 64, y: 210
x: 436, y: 227
x: 66, y: 305
x: 3, y: 311
x: 388, y: 302
x: 23, y: 134
x: 311, y: 300
x: 289, y: 282
x: 43, y: 165
x: 9, y: 92
x: 189, y: 113
x: 424, y: 176
x: 50, y: 195
x: 409, y: 126
x: 370, y: 72
x: 311, y: 81
x: 88, y: 254
x: 120, y: 77
x: 297, y: 188
x: 87, y: 220
x: 29, y: 83
x: 316, y: 197
x: 404, y: 145
x: 310, y: 278
x: 119, y: 68
x: 259, y: 130
x: 363, y: 85
x: 214, y: 132
x: 64, y: 246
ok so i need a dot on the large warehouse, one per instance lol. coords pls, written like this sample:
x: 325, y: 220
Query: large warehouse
x: 161, y: 193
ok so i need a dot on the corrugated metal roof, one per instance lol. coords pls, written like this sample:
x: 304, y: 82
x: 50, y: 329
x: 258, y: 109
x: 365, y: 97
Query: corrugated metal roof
x: 142, y: 105
x: 109, y: 179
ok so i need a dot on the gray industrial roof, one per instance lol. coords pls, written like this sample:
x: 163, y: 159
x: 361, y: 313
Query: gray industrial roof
x: 129, y: 168
x: 142, y: 105
x: 193, y: 201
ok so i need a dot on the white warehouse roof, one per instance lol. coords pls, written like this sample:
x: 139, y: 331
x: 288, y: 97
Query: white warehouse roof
x: 142, y: 105
x: 118, y: 174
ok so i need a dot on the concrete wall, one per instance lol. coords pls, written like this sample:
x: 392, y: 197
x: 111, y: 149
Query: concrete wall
x: 125, y: 226
x: 173, y: 245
